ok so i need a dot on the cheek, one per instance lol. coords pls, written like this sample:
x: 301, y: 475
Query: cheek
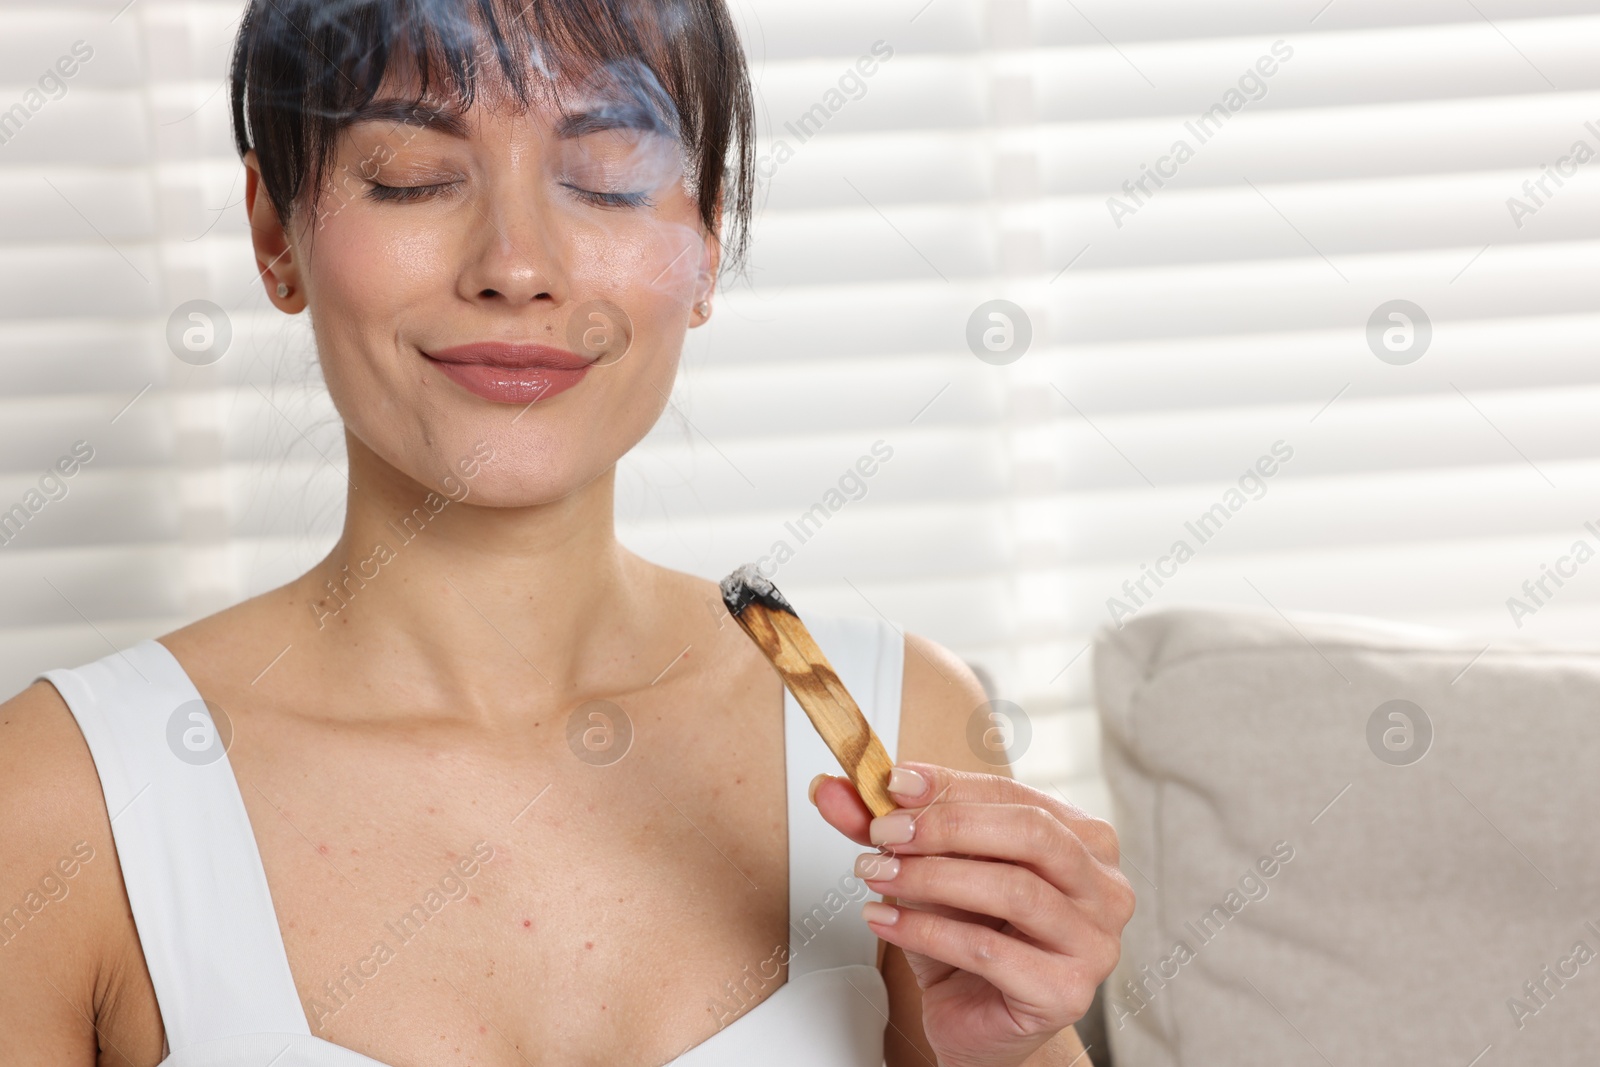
x: 650, y: 268
x: 367, y: 275
x: 369, y: 266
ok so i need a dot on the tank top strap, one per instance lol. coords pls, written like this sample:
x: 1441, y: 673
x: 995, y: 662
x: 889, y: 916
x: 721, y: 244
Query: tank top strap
x: 188, y: 854
x: 825, y: 925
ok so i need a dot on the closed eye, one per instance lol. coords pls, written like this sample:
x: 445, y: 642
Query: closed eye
x: 404, y: 193
x: 610, y: 199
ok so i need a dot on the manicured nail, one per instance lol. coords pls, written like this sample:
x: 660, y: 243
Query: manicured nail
x: 907, y: 782
x: 893, y: 829
x: 876, y: 867
x: 812, y: 790
x: 877, y: 912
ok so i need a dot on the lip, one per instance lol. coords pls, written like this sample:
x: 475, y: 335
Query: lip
x: 511, y: 356
x: 510, y: 373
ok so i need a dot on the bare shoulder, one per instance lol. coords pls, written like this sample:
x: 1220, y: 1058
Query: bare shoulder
x: 940, y: 692
x: 65, y: 926
x: 53, y: 810
x: 243, y: 635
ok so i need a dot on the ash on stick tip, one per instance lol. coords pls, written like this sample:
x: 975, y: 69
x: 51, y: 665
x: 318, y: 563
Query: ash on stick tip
x: 747, y: 586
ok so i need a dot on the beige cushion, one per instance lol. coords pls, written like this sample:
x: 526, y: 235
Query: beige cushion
x: 1403, y: 924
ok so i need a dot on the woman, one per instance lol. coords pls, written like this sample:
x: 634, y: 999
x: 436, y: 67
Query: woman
x: 482, y: 786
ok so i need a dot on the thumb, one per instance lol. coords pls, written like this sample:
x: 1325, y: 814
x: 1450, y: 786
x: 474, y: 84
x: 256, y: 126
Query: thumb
x: 842, y: 807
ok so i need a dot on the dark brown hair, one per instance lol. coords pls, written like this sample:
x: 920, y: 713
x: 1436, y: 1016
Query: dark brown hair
x: 301, y: 69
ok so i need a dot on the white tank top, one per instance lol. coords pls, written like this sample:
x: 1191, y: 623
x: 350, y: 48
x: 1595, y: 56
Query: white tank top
x: 211, y: 938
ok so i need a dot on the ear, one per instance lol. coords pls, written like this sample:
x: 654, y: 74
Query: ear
x: 706, y: 284
x: 275, y: 259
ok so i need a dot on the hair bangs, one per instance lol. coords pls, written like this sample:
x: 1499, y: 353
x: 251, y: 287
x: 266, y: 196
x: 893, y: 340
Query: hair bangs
x: 302, y: 69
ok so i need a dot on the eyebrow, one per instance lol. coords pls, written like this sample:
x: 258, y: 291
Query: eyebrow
x: 399, y: 112
x: 451, y: 122
x: 609, y: 116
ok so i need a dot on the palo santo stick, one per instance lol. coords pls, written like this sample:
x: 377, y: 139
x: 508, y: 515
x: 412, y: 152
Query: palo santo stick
x: 772, y: 624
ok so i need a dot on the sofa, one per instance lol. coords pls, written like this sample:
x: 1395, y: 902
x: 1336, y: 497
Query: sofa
x: 1353, y: 843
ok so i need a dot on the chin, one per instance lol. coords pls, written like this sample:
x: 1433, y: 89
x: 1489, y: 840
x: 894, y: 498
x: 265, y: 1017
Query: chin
x: 485, y: 461
x: 526, y: 485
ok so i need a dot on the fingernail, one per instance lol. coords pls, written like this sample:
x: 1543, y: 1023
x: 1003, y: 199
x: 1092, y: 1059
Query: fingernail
x: 908, y: 783
x: 876, y: 867
x: 877, y: 912
x: 811, y: 792
x: 893, y: 829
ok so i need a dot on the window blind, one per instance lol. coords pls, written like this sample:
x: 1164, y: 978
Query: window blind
x: 1191, y: 315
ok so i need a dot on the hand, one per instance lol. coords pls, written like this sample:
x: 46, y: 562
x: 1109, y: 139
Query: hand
x: 1010, y: 905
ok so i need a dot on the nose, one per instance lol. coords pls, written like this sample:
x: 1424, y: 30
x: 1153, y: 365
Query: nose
x: 513, y: 257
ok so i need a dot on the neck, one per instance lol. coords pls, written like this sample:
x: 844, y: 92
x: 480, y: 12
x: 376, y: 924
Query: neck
x: 480, y: 606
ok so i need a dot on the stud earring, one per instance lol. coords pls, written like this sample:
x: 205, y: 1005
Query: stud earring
x: 703, y: 309
x: 283, y: 290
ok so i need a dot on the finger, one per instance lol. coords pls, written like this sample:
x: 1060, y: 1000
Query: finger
x: 841, y: 807
x: 875, y: 866
x: 1043, y: 988
x: 1014, y: 833
x: 928, y: 783
x: 1006, y: 891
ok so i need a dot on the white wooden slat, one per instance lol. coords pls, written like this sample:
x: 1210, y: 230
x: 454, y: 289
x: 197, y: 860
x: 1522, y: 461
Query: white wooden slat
x: 1329, y: 221
x: 1429, y: 137
x: 1306, y: 511
x: 776, y: 31
x: 888, y: 543
x: 1441, y: 431
x: 795, y: 323
x: 95, y: 506
x: 1460, y: 577
x: 818, y: 394
x: 1303, y: 292
x: 1312, y: 68
x: 65, y: 586
x: 42, y: 205
x: 34, y: 36
x: 87, y: 126
x: 1092, y: 22
x: 790, y: 475
x: 1307, y: 366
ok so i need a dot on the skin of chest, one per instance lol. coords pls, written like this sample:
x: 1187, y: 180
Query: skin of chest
x: 451, y: 888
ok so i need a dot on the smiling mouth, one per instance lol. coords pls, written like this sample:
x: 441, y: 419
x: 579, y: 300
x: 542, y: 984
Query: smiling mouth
x: 510, y: 373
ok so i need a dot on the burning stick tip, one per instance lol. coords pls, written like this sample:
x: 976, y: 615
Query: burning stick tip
x: 747, y: 586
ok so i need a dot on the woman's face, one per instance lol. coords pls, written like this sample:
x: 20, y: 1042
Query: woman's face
x: 517, y: 277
